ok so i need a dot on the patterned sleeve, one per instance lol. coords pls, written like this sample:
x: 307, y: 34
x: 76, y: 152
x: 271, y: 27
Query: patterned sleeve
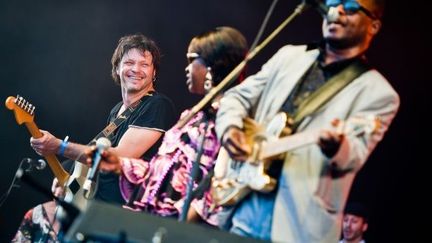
x: 134, y: 172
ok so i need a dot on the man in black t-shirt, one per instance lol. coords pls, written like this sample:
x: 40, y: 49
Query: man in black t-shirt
x: 135, y: 64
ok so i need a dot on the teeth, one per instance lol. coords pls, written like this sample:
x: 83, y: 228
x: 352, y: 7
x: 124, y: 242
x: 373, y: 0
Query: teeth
x: 135, y: 77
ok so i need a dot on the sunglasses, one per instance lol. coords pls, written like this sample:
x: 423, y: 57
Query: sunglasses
x: 350, y: 7
x: 191, y: 56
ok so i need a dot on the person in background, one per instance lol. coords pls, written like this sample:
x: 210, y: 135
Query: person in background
x: 354, y: 223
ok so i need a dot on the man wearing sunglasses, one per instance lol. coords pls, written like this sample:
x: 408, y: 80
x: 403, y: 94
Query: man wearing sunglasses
x: 314, y: 180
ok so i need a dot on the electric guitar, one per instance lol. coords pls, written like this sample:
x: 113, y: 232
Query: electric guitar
x: 74, y: 193
x: 234, y: 180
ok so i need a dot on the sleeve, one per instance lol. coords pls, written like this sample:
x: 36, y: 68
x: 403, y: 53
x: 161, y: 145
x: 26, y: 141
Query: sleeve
x: 377, y: 101
x: 134, y: 172
x: 157, y: 114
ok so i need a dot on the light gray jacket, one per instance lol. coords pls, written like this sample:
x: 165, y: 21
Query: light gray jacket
x: 310, y: 199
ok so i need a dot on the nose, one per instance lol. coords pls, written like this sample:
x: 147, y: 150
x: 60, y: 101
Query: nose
x: 340, y: 9
x: 136, y: 67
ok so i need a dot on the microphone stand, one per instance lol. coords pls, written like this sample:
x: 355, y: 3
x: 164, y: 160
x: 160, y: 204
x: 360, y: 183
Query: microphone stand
x: 195, y: 165
x: 237, y: 70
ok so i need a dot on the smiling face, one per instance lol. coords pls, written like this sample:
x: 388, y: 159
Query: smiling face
x: 352, y: 28
x: 353, y: 227
x: 136, y: 71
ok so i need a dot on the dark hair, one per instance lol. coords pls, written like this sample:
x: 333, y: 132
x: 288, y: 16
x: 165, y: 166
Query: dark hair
x: 136, y: 41
x: 357, y: 209
x: 222, y: 49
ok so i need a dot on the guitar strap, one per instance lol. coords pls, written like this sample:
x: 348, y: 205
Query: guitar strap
x: 113, y: 125
x: 107, y: 131
x: 322, y: 95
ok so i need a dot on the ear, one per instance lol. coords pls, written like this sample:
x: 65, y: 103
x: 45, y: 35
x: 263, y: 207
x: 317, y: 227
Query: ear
x: 117, y: 71
x: 365, y: 226
x: 375, y: 26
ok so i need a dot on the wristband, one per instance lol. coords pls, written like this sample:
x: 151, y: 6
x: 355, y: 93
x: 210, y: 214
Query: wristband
x: 63, y: 145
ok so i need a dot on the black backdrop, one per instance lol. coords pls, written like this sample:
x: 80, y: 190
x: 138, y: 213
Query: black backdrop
x: 57, y: 55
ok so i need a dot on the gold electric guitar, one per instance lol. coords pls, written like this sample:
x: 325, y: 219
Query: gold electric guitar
x: 74, y: 193
x: 233, y: 180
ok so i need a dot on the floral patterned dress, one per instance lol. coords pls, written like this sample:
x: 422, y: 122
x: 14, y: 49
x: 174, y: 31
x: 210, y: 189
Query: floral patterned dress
x: 37, y: 226
x: 163, y: 181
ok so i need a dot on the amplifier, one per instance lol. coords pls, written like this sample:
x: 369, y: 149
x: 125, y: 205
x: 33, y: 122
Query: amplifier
x: 102, y: 222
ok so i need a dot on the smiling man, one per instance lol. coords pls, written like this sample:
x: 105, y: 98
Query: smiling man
x: 135, y: 65
x: 314, y: 85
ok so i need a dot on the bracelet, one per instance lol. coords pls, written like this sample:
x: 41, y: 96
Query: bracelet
x: 63, y: 145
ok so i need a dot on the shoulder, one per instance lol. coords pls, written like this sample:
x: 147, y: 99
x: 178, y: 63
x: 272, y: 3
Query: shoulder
x: 291, y: 53
x: 374, y: 80
x: 292, y: 49
x: 159, y: 98
x: 156, y: 101
x: 156, y: 111
x: 372, y: 87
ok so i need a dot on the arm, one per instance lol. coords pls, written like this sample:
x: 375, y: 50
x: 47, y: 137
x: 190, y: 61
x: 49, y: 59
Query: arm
x: 238, y: 103
x: 49, y: 144
x: 134, y: 143
x: 143, y: 133
x: 376, y: 99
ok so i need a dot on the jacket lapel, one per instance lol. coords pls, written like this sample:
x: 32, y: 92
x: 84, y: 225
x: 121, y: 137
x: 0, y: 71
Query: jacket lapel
x: 285, y: 81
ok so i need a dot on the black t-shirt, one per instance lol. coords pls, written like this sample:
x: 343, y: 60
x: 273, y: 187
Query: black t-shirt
x: 155, y: 112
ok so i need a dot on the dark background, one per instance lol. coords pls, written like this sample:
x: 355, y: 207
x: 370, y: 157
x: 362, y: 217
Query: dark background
x: 57, y: 55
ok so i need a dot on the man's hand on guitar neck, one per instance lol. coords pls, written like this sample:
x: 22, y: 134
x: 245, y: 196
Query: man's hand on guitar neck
x: 45, y: 145
x: 234, y: 141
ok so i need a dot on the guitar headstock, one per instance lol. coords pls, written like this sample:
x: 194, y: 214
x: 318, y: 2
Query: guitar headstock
x: 23, y: 110
x: 357, y: 126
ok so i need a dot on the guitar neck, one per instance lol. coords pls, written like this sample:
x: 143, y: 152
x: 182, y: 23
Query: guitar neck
x: 288, y: 143
x: 61, y: 175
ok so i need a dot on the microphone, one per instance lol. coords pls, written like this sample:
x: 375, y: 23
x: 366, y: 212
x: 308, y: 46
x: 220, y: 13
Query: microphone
x: 102, y: 144
x: 39, y: 164
x: 329, y: 13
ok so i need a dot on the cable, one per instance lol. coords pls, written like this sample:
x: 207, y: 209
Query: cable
x: 12, y: 185
x: 263, y: 25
